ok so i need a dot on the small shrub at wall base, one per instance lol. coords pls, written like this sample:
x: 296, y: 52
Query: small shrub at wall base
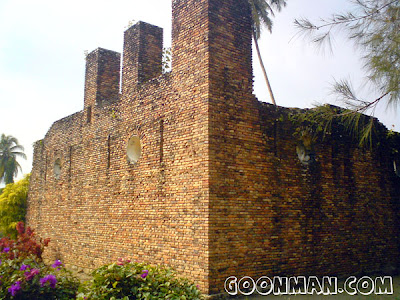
x: 30, y: 279
x: 23, y: 274
x: 127, y: 280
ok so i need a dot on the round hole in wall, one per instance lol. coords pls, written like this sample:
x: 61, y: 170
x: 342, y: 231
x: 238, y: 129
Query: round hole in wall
x: 57, y: 168
x: 306, y: 156
x: 134, y: 149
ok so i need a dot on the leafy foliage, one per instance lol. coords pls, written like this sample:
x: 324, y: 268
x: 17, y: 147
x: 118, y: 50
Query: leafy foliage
x: 261, y: 10
x: 13, y: 206
x: 126, y: 280
x: 326, y: 120
x: 26, y: 244
x: 373, y: 26
x: 25, y: 276
x: 166, y: 60
x: 10, y: 150
x: 28, y: 279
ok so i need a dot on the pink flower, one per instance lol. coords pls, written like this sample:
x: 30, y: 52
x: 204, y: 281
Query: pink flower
x: 24, y: 267
x: 145, y: 273
x: 51, y: 279
x: 122, y: 261
x: 15, y: 288
x: 57, y: 264
x: 30, y: 274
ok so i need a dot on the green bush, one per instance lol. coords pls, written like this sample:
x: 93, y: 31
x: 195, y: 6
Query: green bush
x: 126, y: 280
x: 29, y: 279
x: 23, y: 274
x: 13, y: 206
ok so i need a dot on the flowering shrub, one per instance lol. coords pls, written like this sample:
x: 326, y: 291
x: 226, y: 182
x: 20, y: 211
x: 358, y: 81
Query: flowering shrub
x: 23, y: 275
x: 28, y: 279
x: 25, y: 245
x: 125, y: 280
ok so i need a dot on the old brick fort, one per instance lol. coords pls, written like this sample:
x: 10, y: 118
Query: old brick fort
x: 190, y: 170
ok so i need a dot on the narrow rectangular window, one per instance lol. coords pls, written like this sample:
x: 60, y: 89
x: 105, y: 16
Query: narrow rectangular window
x: 70, y: 164
x: 108, y: 151
x: 89, y: 114
x: 45, y: 169
x: 161, y: 141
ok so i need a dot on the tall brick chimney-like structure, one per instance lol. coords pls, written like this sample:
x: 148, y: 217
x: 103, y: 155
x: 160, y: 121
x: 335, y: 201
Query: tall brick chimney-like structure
x: 102, y: 77
x: 212, y: 35
x: 142, y: 54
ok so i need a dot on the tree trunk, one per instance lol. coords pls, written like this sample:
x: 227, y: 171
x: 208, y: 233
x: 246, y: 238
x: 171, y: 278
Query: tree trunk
x: 263, y: 69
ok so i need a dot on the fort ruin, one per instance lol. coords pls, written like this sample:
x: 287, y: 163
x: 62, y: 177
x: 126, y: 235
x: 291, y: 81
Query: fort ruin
x: 190, y: 170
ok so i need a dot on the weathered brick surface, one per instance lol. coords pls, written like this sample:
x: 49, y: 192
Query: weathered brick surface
x: 102, y: 77
x: 273, y: 216
x: 218, y: 189
x: 142, y: 54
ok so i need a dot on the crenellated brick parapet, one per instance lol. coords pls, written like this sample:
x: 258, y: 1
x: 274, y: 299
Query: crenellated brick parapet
x: 142, y: 54
x: 102, y: 77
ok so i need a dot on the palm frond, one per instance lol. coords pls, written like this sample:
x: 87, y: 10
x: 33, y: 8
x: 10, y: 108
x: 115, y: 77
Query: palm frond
x: 19, y: 154
x: 262, y: 11
x: 17, y: 147
x: 10, y: 150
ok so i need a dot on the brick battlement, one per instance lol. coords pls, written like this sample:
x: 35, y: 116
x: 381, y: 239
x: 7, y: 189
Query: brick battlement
x: 188, y: 169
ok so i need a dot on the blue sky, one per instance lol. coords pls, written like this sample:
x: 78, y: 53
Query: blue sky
x: 42, y: 64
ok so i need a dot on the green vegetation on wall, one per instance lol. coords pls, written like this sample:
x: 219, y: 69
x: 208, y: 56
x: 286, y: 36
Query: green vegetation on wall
x: 373, y: 27
x: 323, y: 121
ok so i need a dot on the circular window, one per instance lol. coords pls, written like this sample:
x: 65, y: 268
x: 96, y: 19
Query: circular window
x: 57, y: 168
x: 134, y: 149
x: 305, y: 156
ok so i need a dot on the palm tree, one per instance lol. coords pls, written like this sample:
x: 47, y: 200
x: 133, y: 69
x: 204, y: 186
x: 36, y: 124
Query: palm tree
x: 9, y: 151
x: 261, y: 11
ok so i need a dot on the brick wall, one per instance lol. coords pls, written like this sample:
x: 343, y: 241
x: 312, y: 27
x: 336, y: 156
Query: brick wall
x: 218, y: 189
x: 271, y: 215
x: 142, y: 54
